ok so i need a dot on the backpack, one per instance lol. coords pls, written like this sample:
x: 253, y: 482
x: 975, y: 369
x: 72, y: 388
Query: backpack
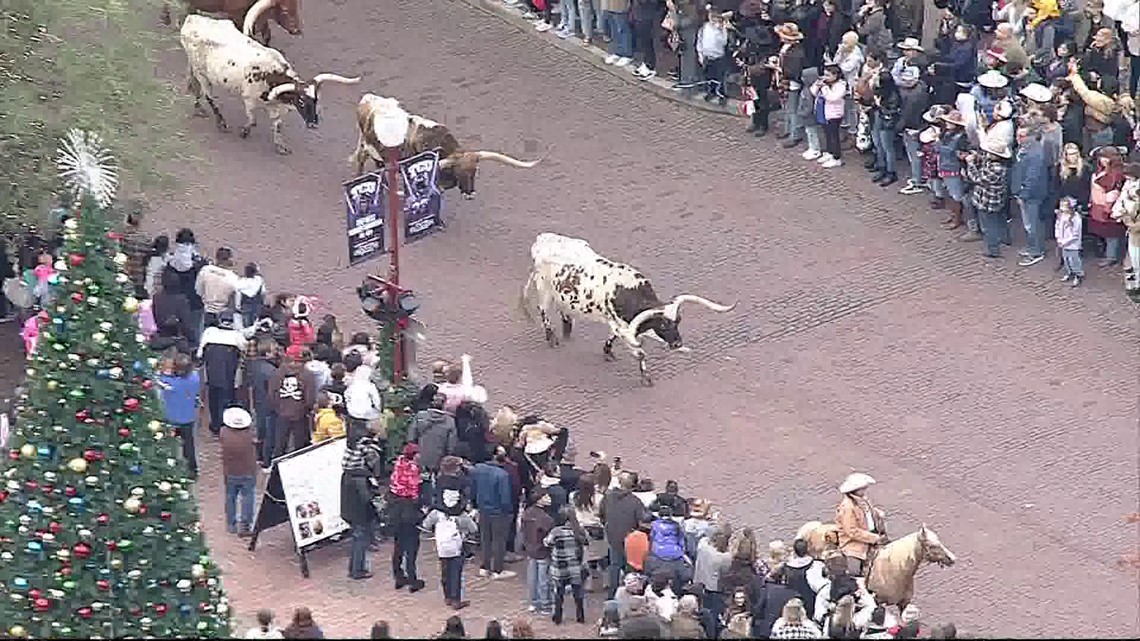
x: 448, y: 540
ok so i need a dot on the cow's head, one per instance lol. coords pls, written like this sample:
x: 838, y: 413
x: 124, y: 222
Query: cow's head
x: 665, y: 321
x: 303, y: 95
x: 458, y: 170
x: 286, y: 13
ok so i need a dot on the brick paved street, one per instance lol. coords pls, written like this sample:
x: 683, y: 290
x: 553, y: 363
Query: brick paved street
x: 990, y: 401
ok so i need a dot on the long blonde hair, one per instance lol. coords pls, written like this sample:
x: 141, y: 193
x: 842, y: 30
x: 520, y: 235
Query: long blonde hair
x: 844, y: 613
x: 1070, y: 169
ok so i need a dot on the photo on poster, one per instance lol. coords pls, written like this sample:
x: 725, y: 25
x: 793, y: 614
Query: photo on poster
x: 310, y: 481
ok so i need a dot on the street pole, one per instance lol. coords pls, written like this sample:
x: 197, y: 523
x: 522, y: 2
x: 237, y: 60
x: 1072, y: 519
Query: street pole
x: 391, y: 165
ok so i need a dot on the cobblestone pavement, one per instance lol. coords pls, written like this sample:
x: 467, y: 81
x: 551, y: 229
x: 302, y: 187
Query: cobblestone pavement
x: 992, y: 403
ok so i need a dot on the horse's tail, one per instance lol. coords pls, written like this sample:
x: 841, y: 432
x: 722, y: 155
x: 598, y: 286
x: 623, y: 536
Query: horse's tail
x: 807, y: 529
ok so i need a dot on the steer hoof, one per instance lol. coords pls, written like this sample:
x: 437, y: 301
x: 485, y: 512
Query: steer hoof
x: 282, y: 149
x: 609, y: 356
x: 200, y: 111
x: 551, y: 338
x: 222, y: 126
x: 646, y: 380
x: 244, y: 133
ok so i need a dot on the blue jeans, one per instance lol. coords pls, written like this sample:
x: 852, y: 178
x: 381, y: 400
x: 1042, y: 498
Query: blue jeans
x: 239, y: 487
x: 361, y: 538
x: 996, y: 230
x: 265, y: 422
x: 1114, y: 249
x: 622, y: 38
x: 586, y: 12
x: 812, y: 133
x: 538, y: 583
x: 1073, y: 264
x: 617, y: 566
x: 451, y: 571
x: 1031, y: 221
x: 569, y: 11
x: 913, y: 151
x: 883, y: 138
x: 793, y: 124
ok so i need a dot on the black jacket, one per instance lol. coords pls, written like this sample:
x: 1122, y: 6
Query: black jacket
x: 621, y: 512
x: 171, y: 313
x: 768, y: 600
x: 914, y: 102
x: 793, y: 63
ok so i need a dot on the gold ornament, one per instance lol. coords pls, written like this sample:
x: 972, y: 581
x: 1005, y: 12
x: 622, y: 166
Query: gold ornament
x: 197, y: 571
x: 154, y: 426
x: 28, y: 450
x: 17, y: 632
x: 130, y: 304
x: 77, y: 465
x: 120, y: 258
x: 52, y: 385
x: 132, y: 505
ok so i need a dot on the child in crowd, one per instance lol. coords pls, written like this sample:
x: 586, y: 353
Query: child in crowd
x: 1067, y: 231
x: 928, y: 159
x: 449, y: 531
x: 43, y: 274
x: 301, y: 330
x: 812, y: 126
x: 712, y: 54
x: 329, y: 334
x: 637, y: 546
x: 251, y: 295
x: 327, y: 424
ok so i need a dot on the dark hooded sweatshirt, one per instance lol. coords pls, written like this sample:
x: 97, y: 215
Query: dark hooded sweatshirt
x: 434, y: 431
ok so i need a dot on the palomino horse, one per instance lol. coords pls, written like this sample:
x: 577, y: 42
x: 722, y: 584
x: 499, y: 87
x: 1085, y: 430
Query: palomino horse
x: 891, y: 575
x: 820, y: 537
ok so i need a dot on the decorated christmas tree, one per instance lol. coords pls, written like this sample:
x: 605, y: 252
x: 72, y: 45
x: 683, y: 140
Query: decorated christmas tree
x: 99, y: 532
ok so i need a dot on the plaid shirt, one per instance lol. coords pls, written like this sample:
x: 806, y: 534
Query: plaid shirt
x: 137, y: 249
x: 803, y: 630
x: 990, y: 183
x: 566, y: 545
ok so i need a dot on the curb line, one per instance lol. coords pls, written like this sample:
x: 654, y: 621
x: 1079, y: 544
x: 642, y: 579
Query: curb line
x: 594, y: 56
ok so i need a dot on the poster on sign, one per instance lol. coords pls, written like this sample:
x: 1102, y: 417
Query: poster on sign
x: 364, y: 199
x: 310, y: 481
x: 423, y: 200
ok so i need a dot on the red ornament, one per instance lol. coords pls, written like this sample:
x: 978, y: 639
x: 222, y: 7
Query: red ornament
x: 103, y: 584
x: 114, y: 235
x: 14, y: 455
x: 82, y: 550
x: 77, y: 298
x: 103, y: 519
x: 34, y: 593
x: 83, y: 416
x: 131, y: 404
x: 134, y: 610
x: 165, y: 516
x: 70, y: 491
x: 92, y: 455
x: 112, y: 546
x: 65, y: 570
x: 142, y: 510
x: 48, y: 487
x: 31, y: 485
x: 3, y: 495
x: 41, y: 605
x: 55, y: 527
x: 76, y: 259
x: 147, y: 384
x: 124, y: 432
x: 85, y: 612
x: 160, y: 609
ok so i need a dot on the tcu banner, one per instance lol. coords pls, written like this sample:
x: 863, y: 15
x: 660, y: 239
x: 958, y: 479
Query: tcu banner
x: 366, y: 199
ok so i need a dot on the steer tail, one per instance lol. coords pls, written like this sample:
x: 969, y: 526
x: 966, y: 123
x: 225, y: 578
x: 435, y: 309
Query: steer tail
x: 527, y: 294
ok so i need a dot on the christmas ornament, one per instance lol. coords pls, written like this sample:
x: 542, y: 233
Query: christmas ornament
x: 27, y: 450
x: 76, y: 259
x: 77, y: 465
x: 132, y: 505
x: 131, y: 404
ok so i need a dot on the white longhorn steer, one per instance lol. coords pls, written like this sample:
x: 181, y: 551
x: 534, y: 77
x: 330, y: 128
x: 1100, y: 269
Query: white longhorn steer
x: 569, y: 277
x: 221, y: 57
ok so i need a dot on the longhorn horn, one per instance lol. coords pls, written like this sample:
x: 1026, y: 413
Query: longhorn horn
x: 254, y: 14
x: 673, y: 308
x: 635, y: 324
x: 332, y: 77
x: 445, y: 163
x: 276, y: 92
x: 507, y: 160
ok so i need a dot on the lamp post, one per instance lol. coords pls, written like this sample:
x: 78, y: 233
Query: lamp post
x: 391, y: 127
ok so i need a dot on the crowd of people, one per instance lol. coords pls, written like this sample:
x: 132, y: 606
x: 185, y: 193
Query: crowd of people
x: 1022, y: 110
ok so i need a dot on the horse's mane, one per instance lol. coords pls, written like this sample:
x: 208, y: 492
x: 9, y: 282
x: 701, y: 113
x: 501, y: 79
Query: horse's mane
x: 901, y: 553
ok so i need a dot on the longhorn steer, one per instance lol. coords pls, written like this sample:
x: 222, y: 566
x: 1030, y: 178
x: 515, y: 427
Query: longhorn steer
x: 248, y: 14
x: 219, y: 56
x: 456, y: 167
x: 572, y: 279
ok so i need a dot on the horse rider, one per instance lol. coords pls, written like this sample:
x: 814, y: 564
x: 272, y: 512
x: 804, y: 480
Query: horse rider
x: 862, y: 527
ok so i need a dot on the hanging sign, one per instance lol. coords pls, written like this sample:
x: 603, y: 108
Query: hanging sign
x: 423, y: 200
x: 364, y: 199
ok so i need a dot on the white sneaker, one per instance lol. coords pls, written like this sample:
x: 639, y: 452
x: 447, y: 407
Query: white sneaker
x: 650, y: 74
x: 833, y: 163
x: 531, y: 608
x: 641, y: 70
x: 543, y: 27
x: 484, y: 572
x: 505, y: 574
x: 612, y: 58
x: 511, y: 3
x: 810, y: 154
x: 621, y: 62
x: 565, y: 33
x: 824, y: 158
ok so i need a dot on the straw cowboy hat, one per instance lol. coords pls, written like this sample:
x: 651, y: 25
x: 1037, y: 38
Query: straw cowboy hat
x: 777, y: 551
x: 789, y: 31
x: 856, y: 481
x: 236, y: 418
x: 993, y: 80
x: 995, y: 147
x: 910, y: 44
x: 954, y: 117
x: 1037, y: 93
x: 1003, y: 109
x: 536, y: 439
x: 934, y: 113
x: 928, y: 135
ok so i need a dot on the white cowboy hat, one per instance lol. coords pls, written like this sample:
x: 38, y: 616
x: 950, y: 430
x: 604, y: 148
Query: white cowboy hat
x: 236, y: 418
x: 995, y: 147
x: 910, y: 44
x: 993, y: 79
x: 1037, y: 92
x: 537, y: 443
x: 856, y: 481
x: 1003, y: 109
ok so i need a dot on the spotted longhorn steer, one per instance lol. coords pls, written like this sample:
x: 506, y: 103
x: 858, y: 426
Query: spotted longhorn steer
x: 252, y: 16
x: 456, y: 167
x: 572, y: 279
x: 220, y: 56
